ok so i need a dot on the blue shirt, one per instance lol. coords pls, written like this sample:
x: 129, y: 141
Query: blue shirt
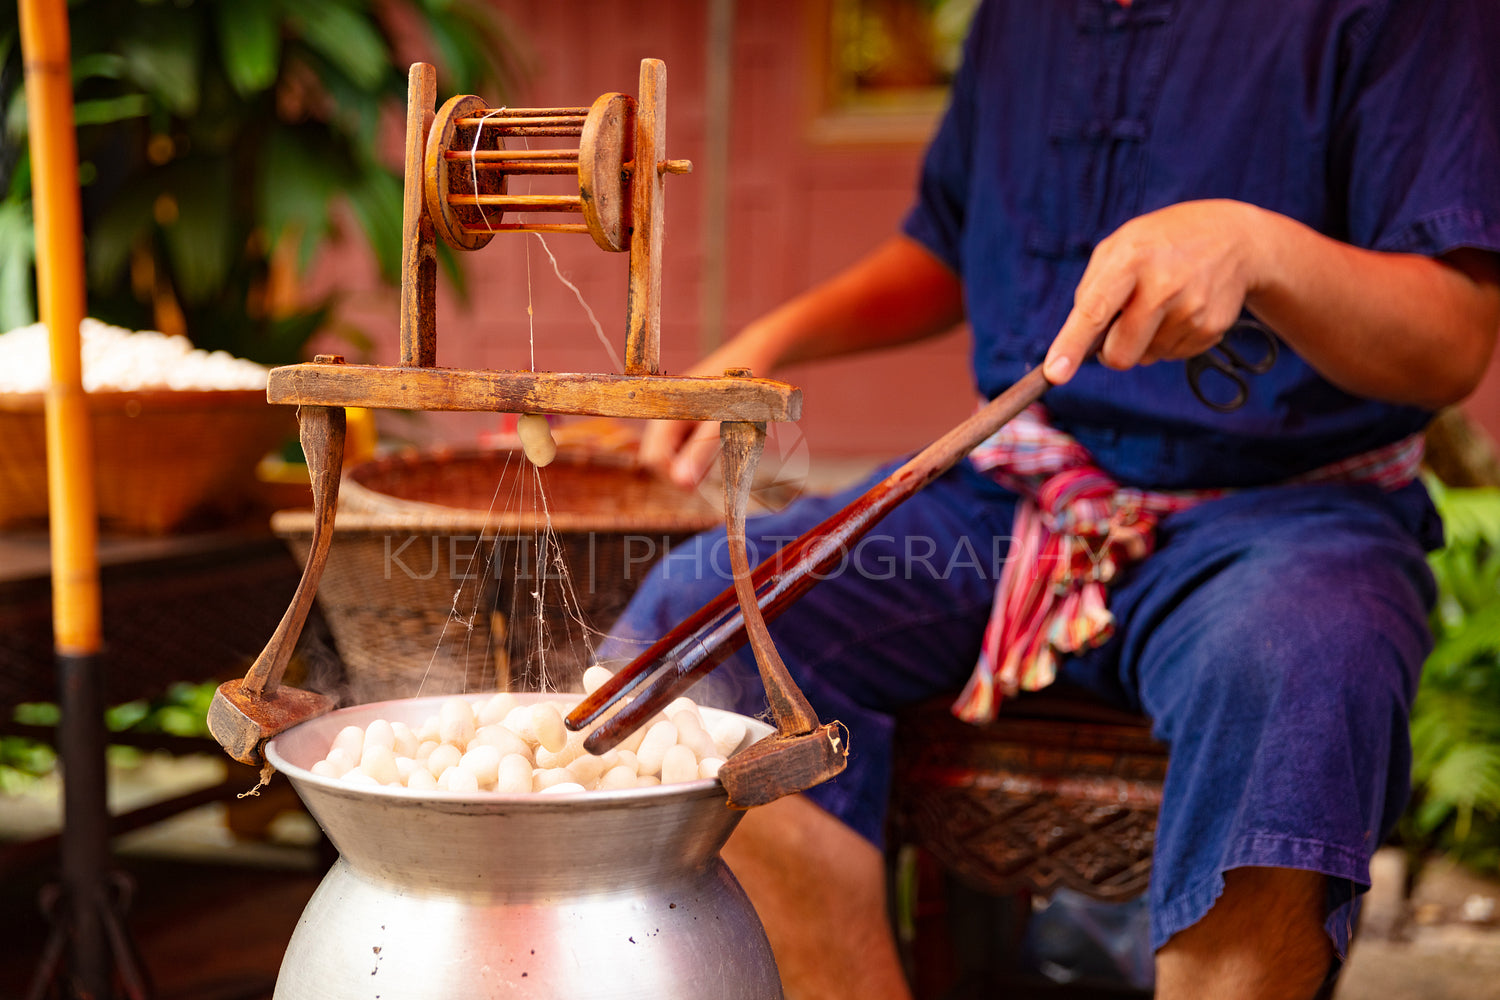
x: 1376, y: 122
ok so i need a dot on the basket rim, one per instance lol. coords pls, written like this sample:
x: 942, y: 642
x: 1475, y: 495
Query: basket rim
x: 299, y: 521
x: 367, y: 511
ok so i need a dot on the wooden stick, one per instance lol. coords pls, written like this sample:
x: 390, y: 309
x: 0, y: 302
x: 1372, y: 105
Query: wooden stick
x: 418, y: 248
x: 524, y: 227
x: 600, y: 395
x: 535, y: 112
x: 246, y: 712
x: 802, y: 752
x: 530, y: 167
x: 514, y: 122
x: 550, y: 130
x: 522, y: 202
x: 510, y: 154
x: 643, y: 309
x: 322, y: 434
x: 742, y: 444
x: 709, y: 635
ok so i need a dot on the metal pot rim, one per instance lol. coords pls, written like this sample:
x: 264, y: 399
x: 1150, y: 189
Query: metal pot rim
x: 402, y: 708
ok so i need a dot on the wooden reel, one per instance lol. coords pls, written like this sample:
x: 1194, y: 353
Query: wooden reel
x: 467, y: 165
x: 459, y: 161
x: 466, y: 162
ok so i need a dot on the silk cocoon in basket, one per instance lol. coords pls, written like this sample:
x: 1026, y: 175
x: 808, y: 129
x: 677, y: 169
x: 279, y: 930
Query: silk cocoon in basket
x: 161, y: 457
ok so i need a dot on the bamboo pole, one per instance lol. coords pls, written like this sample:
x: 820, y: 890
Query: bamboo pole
x: 87, y: 923
x: 59, y: 228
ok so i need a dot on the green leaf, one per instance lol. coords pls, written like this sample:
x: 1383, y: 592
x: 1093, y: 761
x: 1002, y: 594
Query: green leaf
x: 249, y: 44
x: 299, y: 177
x: 1470, y: 516
x: 111, y: 109
x: 1443, y: 721
x: 1468, y: 576
x: 199, y: 241
x: 474, y: 47
x: 216, y: 76
x: 15, y: 116
x: 288, y: 334
x: 31, y: 758
x: 1469, y: 778
x: 451, y: 263
x: 38, y: 713
x: 181, y: 721
x: 163, y: 55
x: 20, y: 180
x: 356, y: 112
x: 1430, y: 815
x: 376, y: 202
x: 108, y: 65
x: 123, y: 757
x: 17, y: 252
x: 125, y: 221
x: 456, y: 53
x: 119, y: 718
x: 1478, y: 637
x: 197, y: 697
x: 346, y: 37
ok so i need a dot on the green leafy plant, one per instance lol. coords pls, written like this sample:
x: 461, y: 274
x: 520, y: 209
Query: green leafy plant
x: 23, y: 761
x: 1455, y: 723
x: 220, y: 142
x: 182, y: 710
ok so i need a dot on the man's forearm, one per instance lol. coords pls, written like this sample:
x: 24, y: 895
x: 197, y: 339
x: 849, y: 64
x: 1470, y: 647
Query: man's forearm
x: 1398, y: 327
x: 896, y: 294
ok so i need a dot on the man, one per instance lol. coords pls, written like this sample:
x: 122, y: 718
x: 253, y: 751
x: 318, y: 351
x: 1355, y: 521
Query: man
x: 1150, y: 172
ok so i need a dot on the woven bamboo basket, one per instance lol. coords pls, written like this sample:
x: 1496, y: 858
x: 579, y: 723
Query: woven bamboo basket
x: 434, y: 583
x: 161, y: 458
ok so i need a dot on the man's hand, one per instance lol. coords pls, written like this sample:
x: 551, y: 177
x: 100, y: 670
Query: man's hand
x: 684, y: 450
x: 1165, y: 286
x: 1398, y: 327
x: 681, y: 450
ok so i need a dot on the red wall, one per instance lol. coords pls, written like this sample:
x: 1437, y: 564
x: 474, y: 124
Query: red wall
x: 800, y: 209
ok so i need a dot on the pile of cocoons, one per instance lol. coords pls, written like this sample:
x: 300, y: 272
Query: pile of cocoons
x: 511, y: 748
x: 119, y: 360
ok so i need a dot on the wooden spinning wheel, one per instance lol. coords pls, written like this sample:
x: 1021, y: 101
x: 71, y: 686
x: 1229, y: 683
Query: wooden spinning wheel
x: 458, y: 167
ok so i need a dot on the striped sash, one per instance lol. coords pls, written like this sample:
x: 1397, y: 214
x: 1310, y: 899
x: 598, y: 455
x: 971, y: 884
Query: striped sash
x: 1075, y: 531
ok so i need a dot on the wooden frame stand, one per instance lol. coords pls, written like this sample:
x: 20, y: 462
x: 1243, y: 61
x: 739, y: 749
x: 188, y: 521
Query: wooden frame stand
x: 456, y: 188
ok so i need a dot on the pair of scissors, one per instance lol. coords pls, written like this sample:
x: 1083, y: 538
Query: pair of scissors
x: 1230, y: 364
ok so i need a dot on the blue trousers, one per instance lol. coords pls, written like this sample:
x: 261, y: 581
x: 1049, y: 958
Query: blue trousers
x: 1274, y: 639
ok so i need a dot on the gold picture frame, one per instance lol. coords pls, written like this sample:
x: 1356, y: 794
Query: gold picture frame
x: 884, y: 67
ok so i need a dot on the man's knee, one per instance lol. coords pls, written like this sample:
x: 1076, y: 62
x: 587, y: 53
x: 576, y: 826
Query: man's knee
x: 1293, y: 628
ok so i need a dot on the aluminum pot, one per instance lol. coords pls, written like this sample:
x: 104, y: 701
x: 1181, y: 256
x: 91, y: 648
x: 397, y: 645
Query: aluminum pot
x: 595, y: 894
